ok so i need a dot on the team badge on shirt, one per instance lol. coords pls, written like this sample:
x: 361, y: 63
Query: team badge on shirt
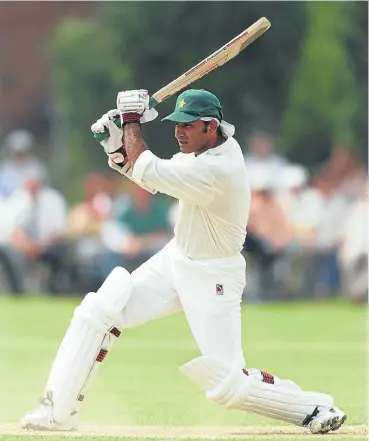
x: 219, y: 289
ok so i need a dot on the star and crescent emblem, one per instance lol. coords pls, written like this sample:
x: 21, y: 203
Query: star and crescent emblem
x: 181, y: 104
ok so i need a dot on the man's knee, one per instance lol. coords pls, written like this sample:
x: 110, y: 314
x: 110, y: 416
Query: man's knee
x: 219, y: 381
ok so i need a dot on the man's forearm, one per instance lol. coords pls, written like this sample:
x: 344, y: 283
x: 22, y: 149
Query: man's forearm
x: 133, y: 142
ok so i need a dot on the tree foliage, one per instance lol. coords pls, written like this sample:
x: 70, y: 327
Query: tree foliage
x: 297, y: 82
x: 326, y: 96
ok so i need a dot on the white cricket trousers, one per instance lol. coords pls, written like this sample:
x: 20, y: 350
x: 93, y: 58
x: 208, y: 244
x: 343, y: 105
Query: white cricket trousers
x: 209, y: 291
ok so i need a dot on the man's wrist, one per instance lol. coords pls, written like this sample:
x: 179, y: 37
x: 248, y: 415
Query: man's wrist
x: 131, y: 117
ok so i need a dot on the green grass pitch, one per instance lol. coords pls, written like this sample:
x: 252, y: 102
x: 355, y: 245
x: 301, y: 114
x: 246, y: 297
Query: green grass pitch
x: 139, y: 393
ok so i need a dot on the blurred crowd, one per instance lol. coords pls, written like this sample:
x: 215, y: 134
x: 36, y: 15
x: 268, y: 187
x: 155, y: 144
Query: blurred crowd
x: 50, y: 246
x: 307, y: 230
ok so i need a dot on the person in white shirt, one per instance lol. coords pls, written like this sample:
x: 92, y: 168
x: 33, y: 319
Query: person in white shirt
x: 354, y: 248
x: 38, y: 218
x: 261, y: 154
x: 20, y: 163
x: 201, y: 272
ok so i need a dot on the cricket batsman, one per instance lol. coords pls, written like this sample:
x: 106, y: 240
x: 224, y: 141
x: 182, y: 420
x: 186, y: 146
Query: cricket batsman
x: 200, y: 272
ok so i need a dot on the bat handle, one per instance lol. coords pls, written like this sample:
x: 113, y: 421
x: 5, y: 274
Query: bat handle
x: 102, y: 136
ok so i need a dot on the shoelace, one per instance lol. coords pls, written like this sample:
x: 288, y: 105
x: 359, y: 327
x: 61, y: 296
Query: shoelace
x: 47, y: 401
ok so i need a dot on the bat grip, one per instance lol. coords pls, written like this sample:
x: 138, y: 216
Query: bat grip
x: 117, y: 121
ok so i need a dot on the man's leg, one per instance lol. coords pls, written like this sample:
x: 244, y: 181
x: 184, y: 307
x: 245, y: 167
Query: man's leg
x: 124, y: 300
x: 259, y: 392
x: 211, y: 301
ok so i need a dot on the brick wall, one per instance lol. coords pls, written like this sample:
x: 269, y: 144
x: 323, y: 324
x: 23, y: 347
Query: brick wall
x: 24, y: 68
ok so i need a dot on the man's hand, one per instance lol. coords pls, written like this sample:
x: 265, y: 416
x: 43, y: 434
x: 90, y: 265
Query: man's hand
x: 134, y: 106
x: 113, y: 145
x: 100, y: 127
x: 106, y: 122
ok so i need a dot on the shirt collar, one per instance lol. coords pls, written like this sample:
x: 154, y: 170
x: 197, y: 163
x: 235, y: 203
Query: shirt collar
x: 221, y: 148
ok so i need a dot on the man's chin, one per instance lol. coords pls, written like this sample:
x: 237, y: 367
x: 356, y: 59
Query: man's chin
x: 184, y: 148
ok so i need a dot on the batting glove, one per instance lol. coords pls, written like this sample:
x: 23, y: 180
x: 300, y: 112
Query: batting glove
x: 134, y: 106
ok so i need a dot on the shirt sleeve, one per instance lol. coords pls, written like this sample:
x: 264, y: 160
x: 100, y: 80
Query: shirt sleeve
x: 129, y: 175
x: 192, y: 182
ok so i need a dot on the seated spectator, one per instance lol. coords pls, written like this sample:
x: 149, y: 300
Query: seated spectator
x: 346, y: 173
x: 354, y: 249
x: 85, y: 225
x: 269, y: 233
x: 267, y: 218
x: 302, y: 205
x: 261, y: 154
x: 21, y: 163
x: 9, y: 280
x: 321, y: 276
x: 38, y: 233
x: 143, y: 229
x: 6, y: 219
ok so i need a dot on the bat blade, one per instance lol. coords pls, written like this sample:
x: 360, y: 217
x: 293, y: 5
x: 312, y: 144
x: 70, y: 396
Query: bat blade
x: 213, y: 61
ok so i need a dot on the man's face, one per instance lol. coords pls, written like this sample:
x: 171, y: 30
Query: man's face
x: 194, y: 137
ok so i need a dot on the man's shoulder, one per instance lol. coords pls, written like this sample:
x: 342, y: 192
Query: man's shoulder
x: 227, y: 153
x: 181, y: 157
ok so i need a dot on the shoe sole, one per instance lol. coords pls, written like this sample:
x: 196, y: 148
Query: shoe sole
x: 38, y: 427
x: 333, y: 423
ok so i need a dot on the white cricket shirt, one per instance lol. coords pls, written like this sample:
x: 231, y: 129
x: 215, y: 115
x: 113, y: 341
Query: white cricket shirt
x: 213, y: 193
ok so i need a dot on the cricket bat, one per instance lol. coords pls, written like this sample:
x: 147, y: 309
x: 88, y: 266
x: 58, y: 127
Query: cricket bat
x: 213, y: 61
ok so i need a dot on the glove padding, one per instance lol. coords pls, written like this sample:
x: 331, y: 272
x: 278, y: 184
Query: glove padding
x: 106, y: 123
x: 133, y: 101
x: 100, y: 127
x: 113, y: 145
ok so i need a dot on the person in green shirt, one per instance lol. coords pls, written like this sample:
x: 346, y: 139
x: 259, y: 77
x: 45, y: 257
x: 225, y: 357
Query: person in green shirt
x: 145, y: 222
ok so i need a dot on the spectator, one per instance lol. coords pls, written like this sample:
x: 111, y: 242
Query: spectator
x: 267, y: 218
x: 38, y: 233
x: 21, y: 163
x: 354, y: 249
x: 292, y: 182
x: 302, y: 205
x: 85, y: 225
x: 9, y: 279
x: 346, y: 173
x: 321, y: 276
x: 269, y: 229
x: 144, y: 228
x: 261, y: 155
x: 6, y: 219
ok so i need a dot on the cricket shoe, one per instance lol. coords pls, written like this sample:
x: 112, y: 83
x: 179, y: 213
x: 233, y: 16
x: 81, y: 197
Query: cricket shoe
x: 323, y: 420
x: 43, y: 419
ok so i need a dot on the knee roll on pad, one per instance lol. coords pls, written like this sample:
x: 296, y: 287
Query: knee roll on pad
x: 115, y: 292
x: 103, y: 309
